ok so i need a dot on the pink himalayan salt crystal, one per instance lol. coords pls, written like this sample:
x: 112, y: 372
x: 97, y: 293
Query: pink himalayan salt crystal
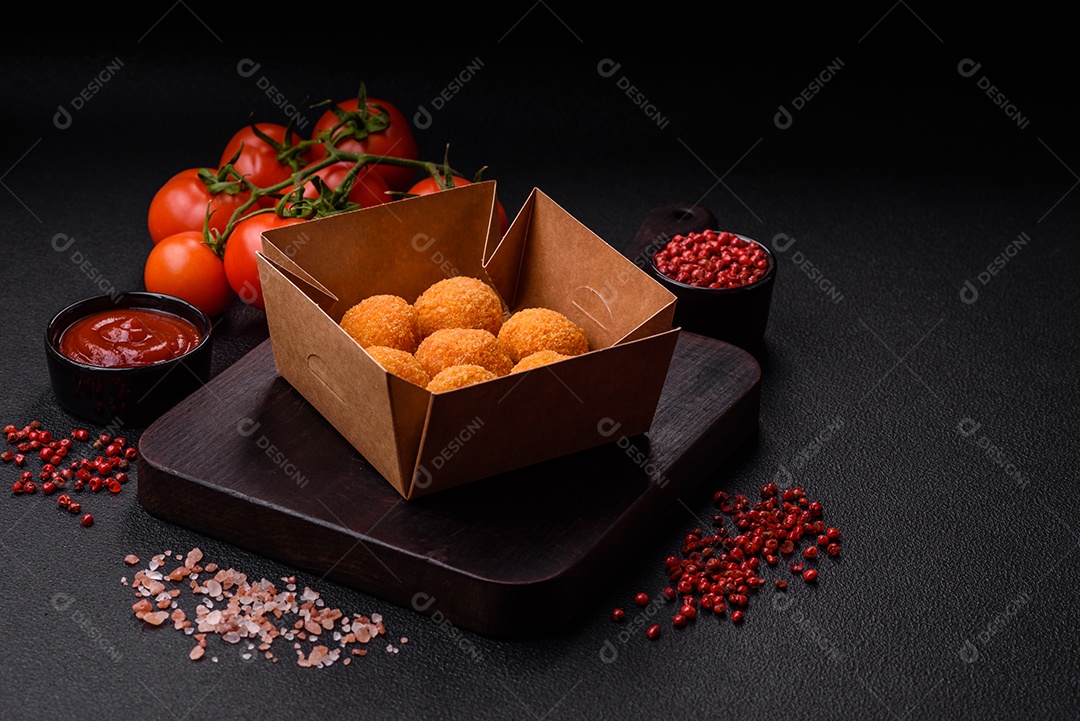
x: 249, y: 611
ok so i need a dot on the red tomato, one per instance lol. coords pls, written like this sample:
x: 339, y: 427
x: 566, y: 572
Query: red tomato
x: 367, y: 190
x: 241, y: 266
x: 396, y: 141
x: 184, y: 266
x: 258, y: 160
x: 430, y: 185
x: 182, y: 203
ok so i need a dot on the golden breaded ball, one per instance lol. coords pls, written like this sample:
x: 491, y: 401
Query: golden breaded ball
x: 535, y: 329
x: 462, y: 346
x: 400, y: 363
x: 459, y: 376
x: 459, y: 302
x: 386, y: 320
x: 537, y: 359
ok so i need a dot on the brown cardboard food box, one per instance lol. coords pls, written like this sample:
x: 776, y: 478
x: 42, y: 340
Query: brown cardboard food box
x: 423, y: 442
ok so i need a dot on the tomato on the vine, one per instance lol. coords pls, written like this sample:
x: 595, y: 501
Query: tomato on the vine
x: 241, y: 266
x: 258, y: 160
x: 183, y: 265
x: 182, y: 203
x: 429, y: 185
x: 368, y: 189
x: 396, y: 140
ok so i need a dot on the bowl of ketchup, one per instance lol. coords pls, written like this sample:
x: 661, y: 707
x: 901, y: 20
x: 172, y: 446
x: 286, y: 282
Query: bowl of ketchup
x: 125, y: 359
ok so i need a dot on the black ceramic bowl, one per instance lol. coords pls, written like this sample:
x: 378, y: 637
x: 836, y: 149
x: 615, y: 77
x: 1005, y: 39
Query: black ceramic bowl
x: 734, y: 315
x: 133, y: 396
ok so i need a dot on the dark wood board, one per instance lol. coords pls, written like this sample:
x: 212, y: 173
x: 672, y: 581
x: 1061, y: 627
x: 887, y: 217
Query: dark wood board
x: 247, y: 460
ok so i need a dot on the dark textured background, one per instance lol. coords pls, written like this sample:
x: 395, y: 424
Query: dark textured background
x: 899, y: 181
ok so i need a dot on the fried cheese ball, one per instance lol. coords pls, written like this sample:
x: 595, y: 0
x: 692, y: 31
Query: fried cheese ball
x: 383, y: 320
x: 462, y: 346
x: 537, y: 359
x: 535, y: 329
x: 459, y: 376
x: 400, y: 363
x: 459, y: 302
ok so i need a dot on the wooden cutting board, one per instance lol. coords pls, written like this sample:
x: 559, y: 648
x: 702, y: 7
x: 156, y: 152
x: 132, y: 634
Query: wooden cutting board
x: 247, y: 460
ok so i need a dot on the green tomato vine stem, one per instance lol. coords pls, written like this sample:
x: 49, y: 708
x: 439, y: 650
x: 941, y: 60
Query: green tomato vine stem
x: 299, y: 179
x: 290, y: 202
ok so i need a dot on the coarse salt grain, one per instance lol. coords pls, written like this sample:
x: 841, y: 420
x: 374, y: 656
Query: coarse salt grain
x: 156, y: 618
x: 248, y: 611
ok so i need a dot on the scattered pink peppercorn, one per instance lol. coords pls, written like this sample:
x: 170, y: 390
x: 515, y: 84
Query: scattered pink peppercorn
x: 721, y: 567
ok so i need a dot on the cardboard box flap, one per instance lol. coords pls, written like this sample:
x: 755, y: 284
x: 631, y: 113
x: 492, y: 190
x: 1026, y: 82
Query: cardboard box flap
x: 521, y: 419
x: 331, y: 371
x: 411, y: 406
x: 549, y: 258
x: 308, y: 285
x: 280, y: 245
x: 448, y: 231
x: 503, y: 257
x: 660, y: 322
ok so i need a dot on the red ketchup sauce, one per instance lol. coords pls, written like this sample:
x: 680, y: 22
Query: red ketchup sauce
x: 128, y: 337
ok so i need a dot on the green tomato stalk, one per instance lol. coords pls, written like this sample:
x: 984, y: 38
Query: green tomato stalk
x: 288, y: 194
